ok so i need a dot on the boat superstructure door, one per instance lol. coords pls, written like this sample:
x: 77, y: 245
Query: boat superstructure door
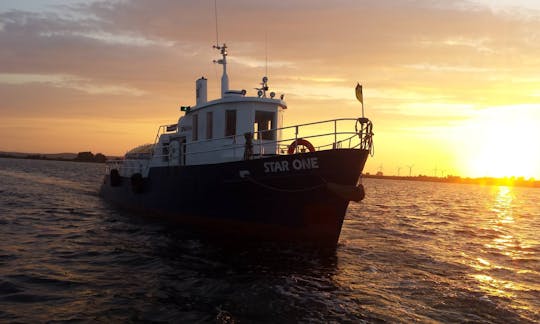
x: 182, y: 142
x: 177, y: 151
x: 174, y: 152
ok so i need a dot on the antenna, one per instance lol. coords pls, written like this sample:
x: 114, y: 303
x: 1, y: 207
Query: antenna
x: 223, y: 61
x: 266, y: 52
x: 216, y: 16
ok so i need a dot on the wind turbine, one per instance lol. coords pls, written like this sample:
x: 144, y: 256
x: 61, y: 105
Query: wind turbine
x: 410, y: 169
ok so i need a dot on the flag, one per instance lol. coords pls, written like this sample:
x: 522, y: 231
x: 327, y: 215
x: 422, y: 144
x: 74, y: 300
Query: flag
x: 359, y: 94
x: 172, y: 128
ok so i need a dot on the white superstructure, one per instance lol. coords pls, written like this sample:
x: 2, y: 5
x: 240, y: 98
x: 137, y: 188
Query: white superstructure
x: 232, y: 128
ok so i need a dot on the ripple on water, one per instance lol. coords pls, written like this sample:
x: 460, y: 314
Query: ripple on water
x: 424, y: 252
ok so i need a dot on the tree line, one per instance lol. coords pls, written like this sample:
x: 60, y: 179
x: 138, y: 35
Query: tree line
x: 90, y: 157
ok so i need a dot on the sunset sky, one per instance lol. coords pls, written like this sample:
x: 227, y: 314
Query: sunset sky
x: 453, y: 87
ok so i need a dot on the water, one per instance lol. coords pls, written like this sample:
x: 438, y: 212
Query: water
x: 411, y: 251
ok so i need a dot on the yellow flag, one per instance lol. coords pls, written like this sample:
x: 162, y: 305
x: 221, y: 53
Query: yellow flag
x: 359, y: 94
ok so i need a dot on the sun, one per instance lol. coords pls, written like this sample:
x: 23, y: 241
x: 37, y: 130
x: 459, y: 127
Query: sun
x: 504, y: 142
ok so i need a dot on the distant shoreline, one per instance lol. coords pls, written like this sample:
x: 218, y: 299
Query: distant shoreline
x: 100, y: 158
x: 66, y: 157
x: 489, y: 181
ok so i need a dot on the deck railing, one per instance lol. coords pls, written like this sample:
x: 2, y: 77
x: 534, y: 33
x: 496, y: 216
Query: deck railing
x: 323, y: 135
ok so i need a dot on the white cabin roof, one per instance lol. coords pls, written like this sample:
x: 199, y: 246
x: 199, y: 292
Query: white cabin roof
x: 237, y: 98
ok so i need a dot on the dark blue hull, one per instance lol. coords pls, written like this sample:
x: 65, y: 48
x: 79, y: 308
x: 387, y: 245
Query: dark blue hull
x: 288, y: 198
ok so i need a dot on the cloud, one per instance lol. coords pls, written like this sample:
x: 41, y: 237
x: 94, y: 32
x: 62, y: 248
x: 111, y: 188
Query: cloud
x: 110, y: 38
x: 68, y: 82
x: 140, y: 58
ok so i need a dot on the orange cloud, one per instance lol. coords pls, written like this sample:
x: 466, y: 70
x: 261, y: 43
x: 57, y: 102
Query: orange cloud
x: 426, y: 68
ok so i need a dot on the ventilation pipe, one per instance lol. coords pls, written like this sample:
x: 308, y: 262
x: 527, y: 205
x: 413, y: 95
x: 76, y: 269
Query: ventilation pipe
x: 201, y: 89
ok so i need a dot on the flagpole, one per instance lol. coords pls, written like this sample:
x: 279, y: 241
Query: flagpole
x: 360, y: 96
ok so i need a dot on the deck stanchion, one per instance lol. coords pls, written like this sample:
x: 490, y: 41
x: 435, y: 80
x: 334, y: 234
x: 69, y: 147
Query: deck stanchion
x: 335, y: 133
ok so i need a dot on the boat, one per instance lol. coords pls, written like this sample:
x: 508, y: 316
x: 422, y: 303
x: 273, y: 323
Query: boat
x: 230, y: 168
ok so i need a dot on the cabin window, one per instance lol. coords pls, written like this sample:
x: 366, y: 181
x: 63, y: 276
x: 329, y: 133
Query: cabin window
x: 195, y: 129
x: 264, y: 121
x: 230, y: 122
x: 209, y: 124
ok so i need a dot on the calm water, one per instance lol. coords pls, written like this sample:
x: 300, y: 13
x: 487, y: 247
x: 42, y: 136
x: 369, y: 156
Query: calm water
x: 412, y: 251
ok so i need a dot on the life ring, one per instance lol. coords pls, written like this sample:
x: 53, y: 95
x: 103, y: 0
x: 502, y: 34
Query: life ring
x: 300, y: 141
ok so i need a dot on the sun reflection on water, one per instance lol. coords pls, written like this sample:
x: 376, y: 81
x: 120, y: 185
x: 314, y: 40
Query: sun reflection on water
x: 494, y: 287
x: 493, y: 275
x: 503, y: 205
x: 502, y: 222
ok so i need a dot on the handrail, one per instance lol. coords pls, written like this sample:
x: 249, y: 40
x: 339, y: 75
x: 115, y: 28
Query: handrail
x: 358, y: 135
x: 241, y: 145
x: 161, y: 130
x: 296, y: 127
x: 352, y: 139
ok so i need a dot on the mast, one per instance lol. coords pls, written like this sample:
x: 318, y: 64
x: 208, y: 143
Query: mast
x: 223, y: 61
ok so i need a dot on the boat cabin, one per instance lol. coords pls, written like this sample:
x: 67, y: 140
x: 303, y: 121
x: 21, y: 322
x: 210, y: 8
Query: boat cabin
x: 215, y: 131
x: 218, y: 131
